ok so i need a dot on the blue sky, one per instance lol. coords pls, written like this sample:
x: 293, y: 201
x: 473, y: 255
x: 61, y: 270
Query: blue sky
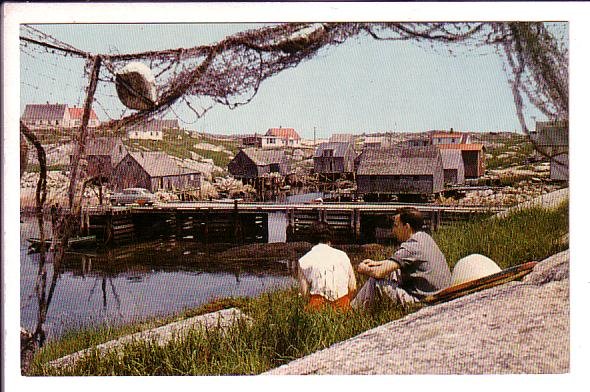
x: 360, y: 86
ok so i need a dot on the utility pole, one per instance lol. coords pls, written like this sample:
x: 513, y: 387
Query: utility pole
x: 314, y: 136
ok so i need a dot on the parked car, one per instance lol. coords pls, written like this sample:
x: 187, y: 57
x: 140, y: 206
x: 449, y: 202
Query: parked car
x: 140, y: 196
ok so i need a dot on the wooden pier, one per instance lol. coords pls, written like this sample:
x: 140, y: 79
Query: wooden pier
x: 237, y: 222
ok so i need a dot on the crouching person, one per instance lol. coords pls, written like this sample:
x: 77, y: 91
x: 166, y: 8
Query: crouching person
x: 325, y: 274
x: 417, y: 269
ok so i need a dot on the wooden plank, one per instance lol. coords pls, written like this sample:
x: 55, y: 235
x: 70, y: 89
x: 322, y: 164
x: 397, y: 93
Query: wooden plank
x: 473, y: 286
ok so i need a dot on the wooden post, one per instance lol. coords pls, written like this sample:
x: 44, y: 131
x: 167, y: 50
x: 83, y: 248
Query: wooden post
x: 357, y: 223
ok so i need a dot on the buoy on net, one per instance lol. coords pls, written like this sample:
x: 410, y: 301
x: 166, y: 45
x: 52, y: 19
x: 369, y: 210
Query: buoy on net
x: 136, y: 86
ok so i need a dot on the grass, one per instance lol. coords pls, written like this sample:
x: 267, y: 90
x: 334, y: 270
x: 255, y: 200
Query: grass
x: 179, y: 144
x: 282, y: 330
x: 518, y: 144
x: 526, y: 235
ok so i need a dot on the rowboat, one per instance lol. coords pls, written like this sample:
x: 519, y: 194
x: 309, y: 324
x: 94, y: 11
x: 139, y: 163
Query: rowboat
x: 460, y: 290
x: 73, y: 243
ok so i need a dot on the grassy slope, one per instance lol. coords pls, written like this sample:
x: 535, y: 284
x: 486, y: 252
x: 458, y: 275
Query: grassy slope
x: 180, y: 144
x: 283, y: 331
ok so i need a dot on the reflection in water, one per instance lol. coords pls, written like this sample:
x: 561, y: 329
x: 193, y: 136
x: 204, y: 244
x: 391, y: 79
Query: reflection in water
x: 149, y: 279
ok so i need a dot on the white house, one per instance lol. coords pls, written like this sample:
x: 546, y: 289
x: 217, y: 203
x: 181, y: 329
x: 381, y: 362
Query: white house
x: 151, y: 129
x: 281, y: 137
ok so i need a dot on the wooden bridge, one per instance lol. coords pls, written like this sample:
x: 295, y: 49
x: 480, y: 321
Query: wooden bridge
x: 242, y: 222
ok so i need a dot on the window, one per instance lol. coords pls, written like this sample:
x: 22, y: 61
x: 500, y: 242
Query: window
x: 328, y: 153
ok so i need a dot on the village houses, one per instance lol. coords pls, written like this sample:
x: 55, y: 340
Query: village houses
x: 50, y: 116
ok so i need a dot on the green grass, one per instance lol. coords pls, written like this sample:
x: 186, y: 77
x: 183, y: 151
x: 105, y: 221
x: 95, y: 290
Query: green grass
x: 180, y: 144
x: 282, y: 330
x: 518, y: 144
x: 526, y: 235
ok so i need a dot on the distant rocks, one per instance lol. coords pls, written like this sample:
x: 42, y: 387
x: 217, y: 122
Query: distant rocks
x: 506, y: 196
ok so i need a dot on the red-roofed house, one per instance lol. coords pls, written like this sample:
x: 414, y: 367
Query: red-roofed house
x: 76, y: 117
x: 281, y: 137
x: 47, y: 115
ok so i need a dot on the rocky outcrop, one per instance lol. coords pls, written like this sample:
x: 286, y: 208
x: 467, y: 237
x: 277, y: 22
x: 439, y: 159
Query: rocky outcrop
x: 519, y: 327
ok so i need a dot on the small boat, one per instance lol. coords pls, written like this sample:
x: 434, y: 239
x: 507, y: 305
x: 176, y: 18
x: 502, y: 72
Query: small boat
x: 82, y: 242
x: 35, y: 243
x: 73, y: 243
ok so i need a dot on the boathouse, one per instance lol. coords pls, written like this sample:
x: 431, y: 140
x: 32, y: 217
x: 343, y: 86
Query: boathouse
x: 454, y: 171
x: 103, y: 154
x: 154, y: 170
x: 416, y: 170
x: 251, y: 163
x: 552, y: 139
x: 334, y: 158
x: 473, y: 157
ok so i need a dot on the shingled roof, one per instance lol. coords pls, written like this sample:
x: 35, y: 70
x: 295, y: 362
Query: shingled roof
x: 158, y: 164
x: 44, y: 112
x: 400, y: 161
x: 154, y: 125
x: 342, y: 137
x: 265, y: 157
x: 452, y: 159
x: 102, y: 145
x: 339, y: 149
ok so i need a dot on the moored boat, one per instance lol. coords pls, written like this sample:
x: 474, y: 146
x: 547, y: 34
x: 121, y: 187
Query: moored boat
x: 73, y: 243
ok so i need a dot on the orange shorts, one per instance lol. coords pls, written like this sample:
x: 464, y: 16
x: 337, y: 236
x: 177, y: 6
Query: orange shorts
x: 317, y: 302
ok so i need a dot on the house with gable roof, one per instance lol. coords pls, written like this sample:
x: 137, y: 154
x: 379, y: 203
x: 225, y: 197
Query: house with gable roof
x: 76, y: 118
x: 281, y: 137
x: 334, y: 157
x: 154, y: 170
x: 399, y: 170
x: 48, y: 115
x: 454, y: 170
x: 152, y: 129
x: 251, y: 163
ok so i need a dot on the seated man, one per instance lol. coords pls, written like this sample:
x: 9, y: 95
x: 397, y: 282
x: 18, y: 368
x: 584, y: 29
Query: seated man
x: 325, y: 274
x: 417, y: 269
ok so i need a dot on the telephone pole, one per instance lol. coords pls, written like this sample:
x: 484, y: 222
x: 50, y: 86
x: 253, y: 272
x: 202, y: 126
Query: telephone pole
x: 314, y: 136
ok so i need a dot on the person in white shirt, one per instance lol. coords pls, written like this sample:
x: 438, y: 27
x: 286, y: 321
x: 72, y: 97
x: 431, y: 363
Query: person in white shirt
x: 325, y: 274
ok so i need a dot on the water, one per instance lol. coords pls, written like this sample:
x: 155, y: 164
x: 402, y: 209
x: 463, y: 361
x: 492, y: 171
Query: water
x: 136, y: 282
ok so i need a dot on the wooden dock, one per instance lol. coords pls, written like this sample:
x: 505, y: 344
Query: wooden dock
x: 239, y: 222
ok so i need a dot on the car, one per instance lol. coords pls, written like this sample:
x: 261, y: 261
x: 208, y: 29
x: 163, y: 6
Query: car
x: 140, y: 196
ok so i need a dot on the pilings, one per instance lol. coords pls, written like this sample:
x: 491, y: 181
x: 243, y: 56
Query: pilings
x: 242, y: 224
